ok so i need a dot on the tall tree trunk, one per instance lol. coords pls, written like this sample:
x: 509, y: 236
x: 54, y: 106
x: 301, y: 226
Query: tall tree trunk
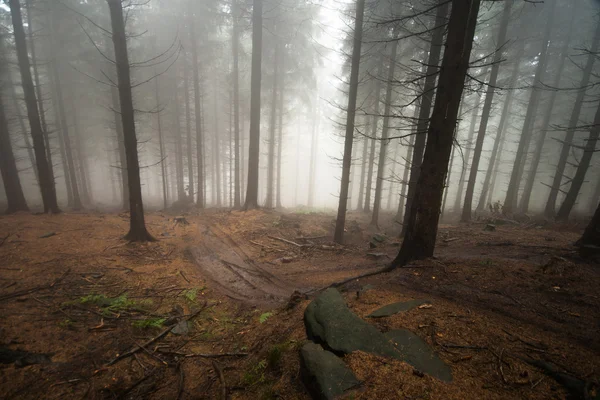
x: 116, y: 106
x: 574, y: 120
x: 363, y: 168
x: 351, y: 113
x: 405, y: 177
x: 374, y: 128
x: 37, y: 134
x: 56, y: 67
x: 197, y: 110
x: 313, y: 154
x: 254, y: 147
x: 161, y: 144
x: 178, y: 143
x: 487, y: 107
x: 8, y: 167
x: 217, y: 148
x: 419, y: 241
x: 437, y: 42
x: 384, y: 135
x: 188, y: 129
x: 448, y: 177
x: 84, y: 171
x: 272, y: 129
x: 280, y: 134
x: 393, y: 175
x: 590, y: 240
x: 584, y: 164
x: 525, y: 199
x: 17, y: 111
x: 465, y: 163
x: 137, y: 226
x: 235, y: 48
x: 499, y: 140
x: 512, y: 193
x: 38, y: 90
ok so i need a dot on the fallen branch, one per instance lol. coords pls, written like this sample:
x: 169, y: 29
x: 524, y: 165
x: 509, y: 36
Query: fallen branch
x: 265, y: 246
x: 221, y: 377
x: 23, y: 292
x: 4, y: 239
x: 286, y: 241
x: 154, y: 339
x: 341, y: 283
x: 451, y: 240
x: 217, y: 355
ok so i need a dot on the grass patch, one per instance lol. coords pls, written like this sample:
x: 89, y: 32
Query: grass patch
x: 264, y: 317
x: 149, y: 323
x: 113, y: 305
x: 256, y: 374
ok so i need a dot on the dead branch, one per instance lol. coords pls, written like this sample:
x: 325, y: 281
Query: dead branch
x: 154, y: 339
x: 286, y: 241
x: 221, y: 377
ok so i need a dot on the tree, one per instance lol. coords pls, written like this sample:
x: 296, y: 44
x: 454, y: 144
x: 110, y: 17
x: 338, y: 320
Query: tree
x: 487, y: 106
x: 582, y: 168
x: 384, y: 134
x: 423, y: 121
x: 8, y: 167
x: 272, y: 129
x: 137, y: 226
x: 420, y: 237
x: 235, y: 49
x: 254, y: 146
x: 591, y: 235
x: 37, y: 133
x: 510, y: 201
x: 351, y: 113
x: 571, y: 128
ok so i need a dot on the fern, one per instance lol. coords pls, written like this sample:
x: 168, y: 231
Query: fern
x: 264, y: 317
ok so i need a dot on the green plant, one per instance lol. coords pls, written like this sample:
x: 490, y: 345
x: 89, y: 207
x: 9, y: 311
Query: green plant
x: 149, y: 323
x: 274, y: 355
x: 192, y: 294
x: 256, y: 374
x: 114, y: 304
x: 66, y: 324
x: 264, y: 317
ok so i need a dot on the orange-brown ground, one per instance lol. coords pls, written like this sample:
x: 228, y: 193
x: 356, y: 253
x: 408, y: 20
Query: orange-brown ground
x: 515, y: 292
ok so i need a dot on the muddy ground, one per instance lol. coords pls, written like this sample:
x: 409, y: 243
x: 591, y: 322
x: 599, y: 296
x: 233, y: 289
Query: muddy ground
x: 205, y: 312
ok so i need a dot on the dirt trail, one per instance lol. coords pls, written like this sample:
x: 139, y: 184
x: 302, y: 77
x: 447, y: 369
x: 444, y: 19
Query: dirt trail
x: 236, y: 275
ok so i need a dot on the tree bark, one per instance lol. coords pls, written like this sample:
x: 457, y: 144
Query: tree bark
x: 384, y: 135
x: 405, y: 176
x: 512, y: 193
x: 591, y: 235
x: 374, y: 128
x: 574, y: 120
x: 419, y: 241
x: 217, y: 147
x: 198, y: 110
x: 137, y: 226
x: 178, y: 143
x: 487, y: 106
x: 280, y: 133
x: 188, y: 129
x: 235, y: 46
x: 161, y: 144
x: 363, y: 168
x: 37, y: 134
x: 254, y: 147
x: 584, y: 164
x: 272, y: 129
x: 351, y: 112
x: 8, y: 167
x: 437, y: 42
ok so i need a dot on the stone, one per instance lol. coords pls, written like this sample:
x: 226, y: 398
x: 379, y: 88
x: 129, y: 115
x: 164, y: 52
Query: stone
x: 325, y: 374
x: 490, y: 227
x: 330, y: 322
x: 395, y: 308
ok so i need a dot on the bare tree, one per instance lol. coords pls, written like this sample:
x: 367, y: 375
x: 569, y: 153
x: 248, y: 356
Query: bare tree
x: 137, y: 226
x: 421, y: 232
x: 254, y: 147
x: 351, y: 113
x: 37, y: 133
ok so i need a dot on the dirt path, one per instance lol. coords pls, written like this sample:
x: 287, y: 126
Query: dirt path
x: 233, y: 272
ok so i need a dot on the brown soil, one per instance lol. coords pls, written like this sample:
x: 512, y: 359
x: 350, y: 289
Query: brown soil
x: 497, y: 297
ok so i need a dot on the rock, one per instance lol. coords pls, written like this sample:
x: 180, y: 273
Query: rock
x: 324, y: 374
x: 395, y: 308
x: 22, y: 358
x: 417, y: 353
x: 490, y: 227
x: 330, y: 322
x: 379, y: 238
x: 182, y: 328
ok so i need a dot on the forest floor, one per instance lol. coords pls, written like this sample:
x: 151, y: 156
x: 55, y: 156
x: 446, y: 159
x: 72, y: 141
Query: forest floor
x: 205, y: 312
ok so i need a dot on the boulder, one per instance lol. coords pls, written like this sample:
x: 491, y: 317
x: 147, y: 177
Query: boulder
x: 331, y: 323
x: 324, y: 374
x: 395, y: 308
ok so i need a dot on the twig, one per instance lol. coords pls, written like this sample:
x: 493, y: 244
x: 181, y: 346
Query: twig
x: 500, y: 367
x: 219, y: 373
x: 217, y: 355
x: 23, y: 292
x: 265, y: 246
x: 341, y: 283
x: 154, y: 339
x: 451, y: 240
x: 181, y: 381
x: 286, y: 241
x: 184, y: 277
x: 4, y: 239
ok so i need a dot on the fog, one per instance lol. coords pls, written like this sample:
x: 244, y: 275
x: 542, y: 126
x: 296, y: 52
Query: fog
x: 182, y: 69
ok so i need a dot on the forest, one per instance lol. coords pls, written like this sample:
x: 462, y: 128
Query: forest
x: 299, y: 199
